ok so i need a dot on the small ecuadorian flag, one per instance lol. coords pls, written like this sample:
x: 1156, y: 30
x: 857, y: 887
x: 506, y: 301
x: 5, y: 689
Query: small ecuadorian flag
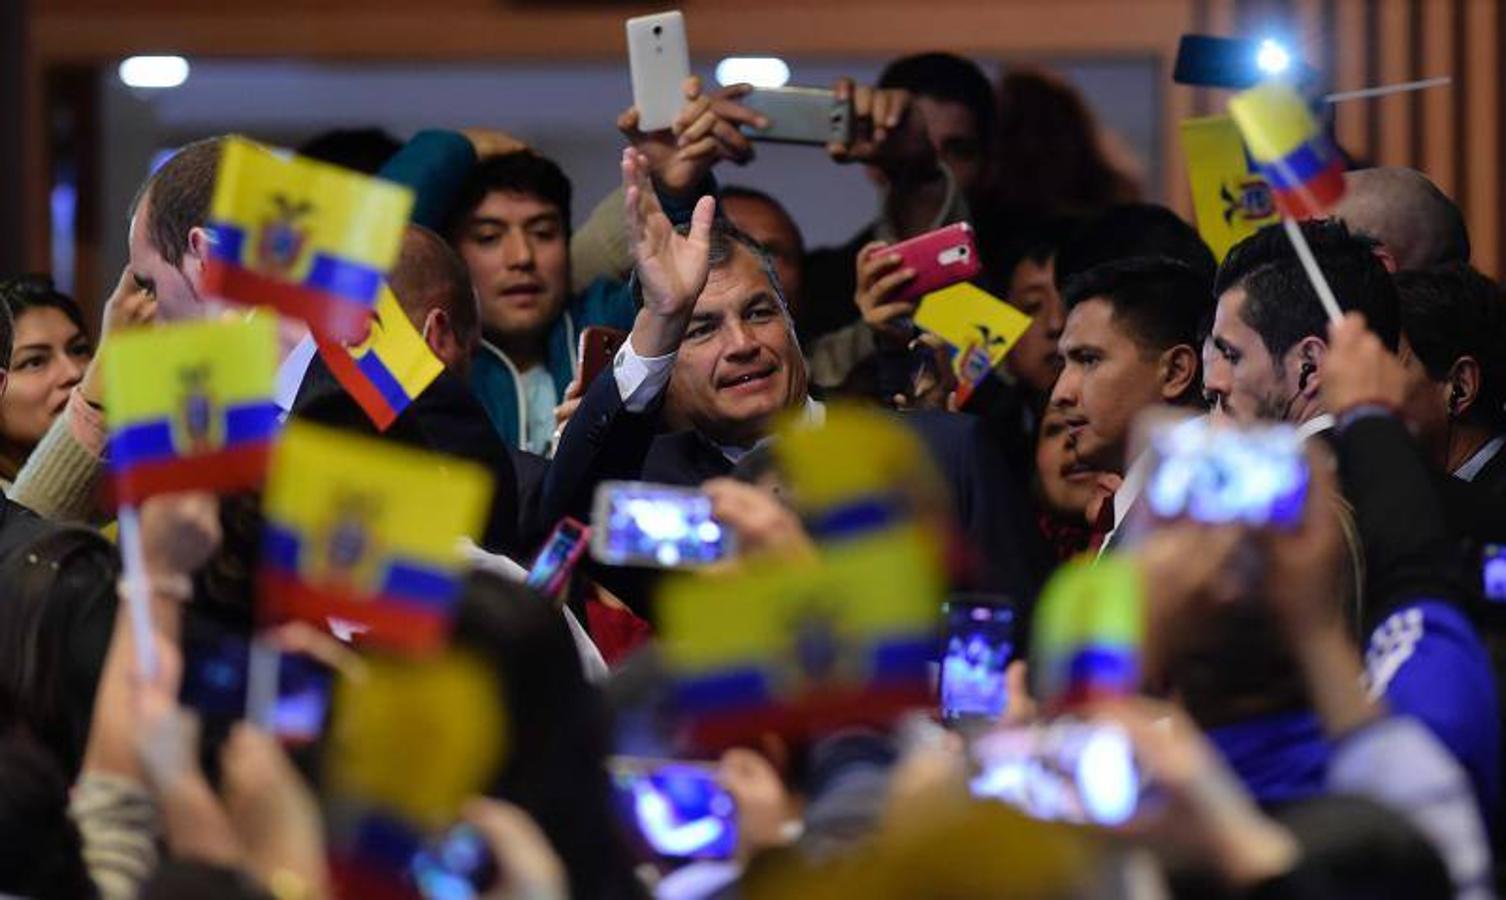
x: 190, y: 406
x: 368, y: 532
x: 389, y: 369
x: 1231, y: 202
x: 800, y: 649
x: 1294, y: 155
x: 1089, y: 625
x: 311, y: 240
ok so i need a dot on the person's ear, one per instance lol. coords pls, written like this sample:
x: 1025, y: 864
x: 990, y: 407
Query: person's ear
x: 1308, y: 356
x: 1464, y: 386
x: 1178, y: 372
x: 1387, y: 259
x: 197, y: 252
x: 439, y: 336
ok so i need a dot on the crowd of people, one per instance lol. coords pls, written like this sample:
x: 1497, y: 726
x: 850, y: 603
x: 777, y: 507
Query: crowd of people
x: 1318, y: 711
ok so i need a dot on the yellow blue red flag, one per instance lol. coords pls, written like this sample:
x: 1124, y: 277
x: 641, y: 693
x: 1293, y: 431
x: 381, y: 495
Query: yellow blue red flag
x: 1295, y: 156
x: 368, y: 532
x: 309, y: 239
x: 800, y: 649
x: 190, y: 407
x: 1089, y: 626
x: 389, y: 369
x: 1231, y: 201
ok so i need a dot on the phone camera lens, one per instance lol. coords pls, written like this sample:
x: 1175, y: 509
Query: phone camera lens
x: 658, y: 30
x: 962, y: 251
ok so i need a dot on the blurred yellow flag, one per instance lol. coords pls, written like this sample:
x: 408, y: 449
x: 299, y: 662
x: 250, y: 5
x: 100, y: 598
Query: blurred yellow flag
x: 418, y: 737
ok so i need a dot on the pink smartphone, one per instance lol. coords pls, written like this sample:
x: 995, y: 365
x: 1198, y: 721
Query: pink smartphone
x: 598, y: 344
x: 940, y: 258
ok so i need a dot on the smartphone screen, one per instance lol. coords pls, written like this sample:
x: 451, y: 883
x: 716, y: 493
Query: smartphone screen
x: 979, y: 644
x: 215, y: 673
x: 1493, y: 572
x: 678, y: 808
x: 1220, y: 475
x: 635, y: 523
x: 551, y: 568
x: 1063, y: 771
x: 459, y: 866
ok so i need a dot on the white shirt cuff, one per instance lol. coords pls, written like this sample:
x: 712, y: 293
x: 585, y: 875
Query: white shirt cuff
x: 640, y: 379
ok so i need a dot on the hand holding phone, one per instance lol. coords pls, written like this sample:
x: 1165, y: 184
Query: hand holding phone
x: 458, y: 866
x: 939, y: 259
x: 641, y: 524
x: 556, y: 560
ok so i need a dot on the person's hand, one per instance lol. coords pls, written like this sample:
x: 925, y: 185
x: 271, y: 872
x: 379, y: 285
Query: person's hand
x: 273, y: 813
x: 880, y: 277
x: 703, y: 133
x: 765, y: 809
x: 886, y: 132
x: 934, y: 383
x: 179, y: 532
x: 1019, y: 707
x: 1359, y: 370
x: 492, y: 142
x: 1188, y: 570
x: 672, y: 268
x: 529, y: 867
x: 1208, y: 815
x: 762, y: 524
x: 127, y: 307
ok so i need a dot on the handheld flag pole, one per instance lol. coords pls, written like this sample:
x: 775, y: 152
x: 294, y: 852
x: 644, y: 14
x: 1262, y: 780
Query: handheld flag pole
x: 1310, y: 266
x: 1385, y: 89
x: 137, y: 591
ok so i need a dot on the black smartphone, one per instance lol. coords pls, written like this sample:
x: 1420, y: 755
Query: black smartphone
x: 216, y: 672
x: 1207, y: 60
x: 980, y: 642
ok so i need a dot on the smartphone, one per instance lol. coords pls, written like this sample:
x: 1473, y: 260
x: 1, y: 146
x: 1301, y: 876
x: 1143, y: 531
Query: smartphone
x: 598, y: 345
x: 659, y: 63
x: 1220, y: 475
x: 551, y: 568
x: 1065, y: 770
x: 940, y: 258
x: 979, y: 645
x: 216, y: 672
x: 799, y: 115
x: 459, y: 866
x: 679, y: 809
x: 1493, y: 572
x: 1207, y: 60
x: 640, y: 524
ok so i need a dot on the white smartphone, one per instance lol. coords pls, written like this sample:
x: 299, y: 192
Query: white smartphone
x: 659, y: 61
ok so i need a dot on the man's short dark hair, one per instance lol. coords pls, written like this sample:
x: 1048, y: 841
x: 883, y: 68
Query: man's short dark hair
x: 430, y: 274
x: 1280, y: 303
x: 1131, y: 230
x: 946, y: 76
x: 743, y: 192
x: 177, y: 196
x: 1161, y: 301
x: 358, y: 149
x: 1450, y: 311
x: 519, y: 172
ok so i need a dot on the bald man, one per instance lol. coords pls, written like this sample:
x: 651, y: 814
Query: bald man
x: 1416, y: 223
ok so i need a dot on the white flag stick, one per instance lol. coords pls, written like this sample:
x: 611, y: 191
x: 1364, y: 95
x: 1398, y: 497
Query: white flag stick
x: 1310, y: 265
x: 138, y: 591
x: 1383, y: 90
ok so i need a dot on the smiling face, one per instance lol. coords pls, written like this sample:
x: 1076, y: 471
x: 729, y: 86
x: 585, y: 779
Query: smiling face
x: 518, y: 253
x: 48, y: 360
x: 1106, y: 381
x: 738, y: 364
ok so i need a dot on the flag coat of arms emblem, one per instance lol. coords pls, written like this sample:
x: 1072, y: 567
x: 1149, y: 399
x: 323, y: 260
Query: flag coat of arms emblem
x: 309, y: 239
x: 368, y: 532
x: 190, y: 406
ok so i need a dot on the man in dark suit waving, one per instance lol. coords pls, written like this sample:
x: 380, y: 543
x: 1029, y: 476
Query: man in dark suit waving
x: 713, y: 335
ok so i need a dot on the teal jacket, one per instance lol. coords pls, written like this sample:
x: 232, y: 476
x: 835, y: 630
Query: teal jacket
x: 435, y: 165
x: 495, y: 381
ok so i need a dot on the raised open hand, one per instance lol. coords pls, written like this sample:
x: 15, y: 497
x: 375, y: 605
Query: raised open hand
x: 672, y: 267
